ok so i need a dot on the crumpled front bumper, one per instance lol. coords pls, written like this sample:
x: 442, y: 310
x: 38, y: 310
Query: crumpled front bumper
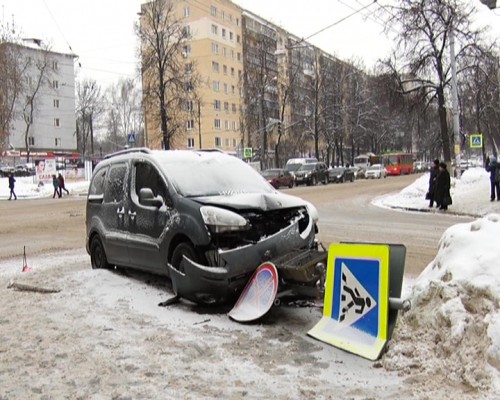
x: 218, y: 284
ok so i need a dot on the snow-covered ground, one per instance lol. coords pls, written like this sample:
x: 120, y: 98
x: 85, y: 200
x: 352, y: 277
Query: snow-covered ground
x: 25, y: 188
x: 447, y: 345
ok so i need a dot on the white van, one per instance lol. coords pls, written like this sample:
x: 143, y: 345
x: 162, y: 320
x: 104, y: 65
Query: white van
x: 293, y: 164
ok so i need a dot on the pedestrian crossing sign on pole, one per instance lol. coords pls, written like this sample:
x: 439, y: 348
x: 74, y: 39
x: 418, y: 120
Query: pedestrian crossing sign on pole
x: 131, y: 137
x: 356, y: 304
x: 248, y: 152
x: 476, y: 141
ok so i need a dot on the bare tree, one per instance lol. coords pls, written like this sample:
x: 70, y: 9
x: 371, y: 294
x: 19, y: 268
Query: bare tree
x: 90, y: 106
x: 168, y: 81
x: 423, y: 48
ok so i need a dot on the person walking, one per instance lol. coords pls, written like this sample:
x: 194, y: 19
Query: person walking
x: 432, y: 182
x: 55, y: 183
x: 493, y: 168
x: 442, y: 189
x: 60, y: 180
x: 12, y: 184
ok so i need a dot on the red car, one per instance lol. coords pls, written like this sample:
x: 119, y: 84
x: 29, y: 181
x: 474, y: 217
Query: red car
x: 278, y: 177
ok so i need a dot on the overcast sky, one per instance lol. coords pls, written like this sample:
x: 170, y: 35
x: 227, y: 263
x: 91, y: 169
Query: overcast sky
x: 101, y: 32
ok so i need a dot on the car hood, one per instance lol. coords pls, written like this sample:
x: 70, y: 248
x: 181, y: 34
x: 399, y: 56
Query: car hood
x: 261, y: 201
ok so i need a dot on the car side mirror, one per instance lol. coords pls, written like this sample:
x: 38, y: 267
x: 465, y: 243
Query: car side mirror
x: 147, y: 198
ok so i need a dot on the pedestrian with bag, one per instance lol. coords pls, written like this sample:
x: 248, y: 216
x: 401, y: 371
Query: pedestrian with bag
x: 12, y: 184
x: 493, y: 168
x: 442, y: 194
x: 432, y: 182
x: 62, y: 185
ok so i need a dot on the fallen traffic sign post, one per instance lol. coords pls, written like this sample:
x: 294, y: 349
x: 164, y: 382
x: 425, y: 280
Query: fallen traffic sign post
x: 362, y: 297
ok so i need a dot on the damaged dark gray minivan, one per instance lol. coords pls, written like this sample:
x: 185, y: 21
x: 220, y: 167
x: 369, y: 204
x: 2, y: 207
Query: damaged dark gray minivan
x: 204, y: 218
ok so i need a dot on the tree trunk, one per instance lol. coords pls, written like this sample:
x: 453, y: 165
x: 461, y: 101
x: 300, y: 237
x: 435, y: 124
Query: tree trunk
x: 445, y: 138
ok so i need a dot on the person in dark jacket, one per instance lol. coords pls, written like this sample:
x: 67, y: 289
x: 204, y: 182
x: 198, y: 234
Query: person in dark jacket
x: 12, y: 182
x: 432, y: 181
x: 493, y: 168
x: 55, y: 183
x: 442, y: 189
x: 62, y: 186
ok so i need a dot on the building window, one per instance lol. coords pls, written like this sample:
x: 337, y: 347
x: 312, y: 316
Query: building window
x: 223, y: 15
x: 226, y: 87
x: 224, y: 51
x: 237, y: 21
x: 215, y: 48
x: 223, y: 33
x: 233, y: 89
x: 213, y: 11
x: 231, y: 54
x: 238, y: 39
x: 188, y: 86
x: 216, y: 86
x: 186, y: 11
x: 190, y: 124
x: 227, y: 142
x: 55, y: 84
x: 235, y: 126
x: 217, y: 105
x: 224, y: 69
x: 56, y: 103
x: 231, y: 36
x: 239, y: 56
x: 186, y: 50
x: 215, y: 29
x: 190, y: 143
x: 232, y: 72
x: 215, y: 66
x: 55, y: 66
x: 188, y: 68
x: 189, y: 105
x: 31, y: 141
x: 233, y: 107
x: 226, y: 106
x: 227, y: 125
x: 218, y: 141
x: 231, y: 18
x: 234, y: 142
x: 186, y: 31
x: 57, y: 122
x: 217, y: 123
x: 57, y: 142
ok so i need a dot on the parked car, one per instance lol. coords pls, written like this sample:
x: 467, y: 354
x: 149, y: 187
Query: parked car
x: 278, y: 178
x: 293, y: 164
x: 5, y: 169
x: 375, y: 171
x: 205, y: 219
x: 311, y: 174
x: 340, y: 174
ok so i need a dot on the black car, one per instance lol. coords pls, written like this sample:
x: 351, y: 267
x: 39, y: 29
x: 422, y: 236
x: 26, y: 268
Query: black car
x: 311, y: 174
x: 340, y: 175
x: 205, y: 219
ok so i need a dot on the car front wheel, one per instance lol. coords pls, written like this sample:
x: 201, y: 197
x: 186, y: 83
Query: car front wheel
x: 313, y: 181
x: 97, y: 254
x: 183, y: 249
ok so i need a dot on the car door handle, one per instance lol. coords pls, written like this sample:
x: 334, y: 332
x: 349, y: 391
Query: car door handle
x: 132, y: 214
x: 121, y: 212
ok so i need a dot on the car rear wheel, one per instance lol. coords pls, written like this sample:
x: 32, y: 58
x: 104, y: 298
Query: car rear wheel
x: 325, y: 180
x: 290, y: 185
x: 313, y: 181
x: 183, y: 249
x: 97, y: 254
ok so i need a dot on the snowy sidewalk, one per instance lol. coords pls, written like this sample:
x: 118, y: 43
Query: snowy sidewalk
x: 26, y: 189
x: 470, y: 194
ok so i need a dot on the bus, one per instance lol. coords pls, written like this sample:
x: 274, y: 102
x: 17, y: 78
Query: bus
x: 398, y: 163
x: 366, y: 160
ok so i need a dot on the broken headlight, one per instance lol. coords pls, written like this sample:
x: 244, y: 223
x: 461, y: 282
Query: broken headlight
x: 221, y: 220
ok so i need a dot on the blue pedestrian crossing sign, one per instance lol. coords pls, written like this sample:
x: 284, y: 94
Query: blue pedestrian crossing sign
x: 476, y: 141
x: 131, y: 137
x: 356, y: 304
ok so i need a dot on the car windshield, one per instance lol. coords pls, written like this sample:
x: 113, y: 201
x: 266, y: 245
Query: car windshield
x: 271, y: 173
x: 337, y: 170
x: 196, y: 174
x: 374, y: 168
x: 307, y: 167
x: 293, y: 167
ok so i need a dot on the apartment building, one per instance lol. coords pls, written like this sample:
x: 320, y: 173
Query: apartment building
x: 214, y: 51
x: 52, y: 123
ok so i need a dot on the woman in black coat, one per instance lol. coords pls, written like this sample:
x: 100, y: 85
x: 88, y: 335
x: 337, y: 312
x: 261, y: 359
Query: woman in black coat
x: 432, y: 182
x: 442, y: 189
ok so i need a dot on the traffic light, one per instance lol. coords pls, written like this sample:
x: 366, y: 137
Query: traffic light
x: 491, y: 4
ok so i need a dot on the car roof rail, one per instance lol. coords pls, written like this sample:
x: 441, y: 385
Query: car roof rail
x: 144, y: 150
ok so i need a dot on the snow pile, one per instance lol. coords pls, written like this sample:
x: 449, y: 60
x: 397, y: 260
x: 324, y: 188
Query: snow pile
x: 453, y: 328
x: 470, y: 194
x: 25, y: 187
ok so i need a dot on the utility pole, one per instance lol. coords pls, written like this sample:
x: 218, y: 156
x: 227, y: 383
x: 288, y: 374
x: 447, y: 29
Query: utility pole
x: 454, y: 102
x: 199, y: 123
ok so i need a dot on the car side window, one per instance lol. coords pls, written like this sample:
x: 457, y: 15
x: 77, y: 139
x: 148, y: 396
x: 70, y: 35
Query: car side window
x: 114, y: 188
x: 97, y: 185
x: 147, y: 176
